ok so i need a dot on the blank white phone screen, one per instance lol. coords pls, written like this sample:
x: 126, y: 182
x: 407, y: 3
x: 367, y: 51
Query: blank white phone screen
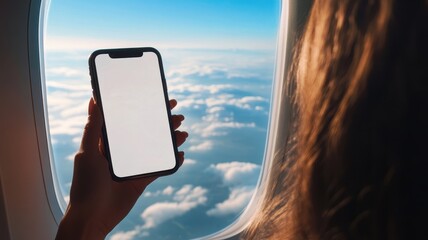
x: 135, y: 114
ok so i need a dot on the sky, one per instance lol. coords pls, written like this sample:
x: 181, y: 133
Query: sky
x: 186, y: 23
x: 219, y: 60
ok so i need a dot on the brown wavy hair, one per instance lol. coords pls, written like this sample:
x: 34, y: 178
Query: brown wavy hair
x: 357, y: 164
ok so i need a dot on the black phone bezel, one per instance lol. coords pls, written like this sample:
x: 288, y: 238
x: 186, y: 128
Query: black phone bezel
x: 129, y: 53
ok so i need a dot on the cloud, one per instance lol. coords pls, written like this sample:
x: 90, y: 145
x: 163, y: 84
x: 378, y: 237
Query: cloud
x: 188, y: 193
x: 68, y: 100
x: 197, y: 88
x: 202, y: 147
x: 72, y: 44
x: 231, y: 100
x: 199, y: 70
x: 241, y: 177
x: 168, y: 190
x: 185, y: 199
x: 217, y: 100
x: 58, y: 100
x: 77, y: 140
x: 214, y: 110
x: 71, y: 157
x: 163, y: 211
x: 188, y: 102
x: 215, y: 123
x: 236, y: 202
x: 79, y: 109
x: 67, y: 199
x: 259, y: 108
x: 54, y: 140
x: 225, y: 65
x: 151, y: 194
x: 70, y: 126
x: 67, y: 107
x: 66, y: 72
x: 75, y: 86
x: 217, y: 128
x: 237, y: 173
x: 189, y: 161
x: 125, y: 235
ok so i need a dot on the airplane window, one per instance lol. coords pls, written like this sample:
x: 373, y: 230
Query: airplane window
x: 219, y: 59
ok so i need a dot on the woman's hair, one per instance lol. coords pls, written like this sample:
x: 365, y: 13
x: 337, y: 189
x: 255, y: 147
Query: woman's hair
x: 356, y: 166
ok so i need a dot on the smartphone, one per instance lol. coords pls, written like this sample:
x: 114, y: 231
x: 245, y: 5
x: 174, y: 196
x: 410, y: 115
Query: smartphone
x: 130, y: 88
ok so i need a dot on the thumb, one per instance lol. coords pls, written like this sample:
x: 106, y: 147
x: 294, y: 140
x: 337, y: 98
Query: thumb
x: 92, y: 130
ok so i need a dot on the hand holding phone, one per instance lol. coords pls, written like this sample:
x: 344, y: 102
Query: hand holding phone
x: 130, y: 89
x: 97, y: 202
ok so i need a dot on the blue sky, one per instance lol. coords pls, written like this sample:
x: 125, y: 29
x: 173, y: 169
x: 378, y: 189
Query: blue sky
x: 219, y: 23
x: 219, y: 58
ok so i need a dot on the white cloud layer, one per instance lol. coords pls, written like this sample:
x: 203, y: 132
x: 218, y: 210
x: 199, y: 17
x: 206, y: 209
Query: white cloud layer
x: 67, y: 199
x: 128, y: 235
x: 189, y: 162
x: 218, y: 128
x: 237, y: 201
x: 67, y: 72
x: 220, y: 65
x: 67, y: 106
x: 198, y: 88
x: 241, y: 177
x: 71, y: 157
x: 73, y: 44
x: 68, y: 99
x: 70, y: 126
x: 231, y: 100
x: 169, y: 190
x: 237, y: 173
x: 201, y: 147
x: 217, y: 101
x: 185, y: 199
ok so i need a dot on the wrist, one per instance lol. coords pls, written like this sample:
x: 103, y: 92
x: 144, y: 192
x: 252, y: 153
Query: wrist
x: 75, y: 225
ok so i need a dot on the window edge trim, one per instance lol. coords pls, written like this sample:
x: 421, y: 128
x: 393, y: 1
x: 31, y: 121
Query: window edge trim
x: 36, y: 30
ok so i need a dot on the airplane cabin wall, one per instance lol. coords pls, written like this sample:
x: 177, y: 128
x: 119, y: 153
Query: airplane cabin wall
x: 26, y: 208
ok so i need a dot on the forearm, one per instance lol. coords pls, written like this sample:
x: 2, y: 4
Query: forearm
x: 74, y: 226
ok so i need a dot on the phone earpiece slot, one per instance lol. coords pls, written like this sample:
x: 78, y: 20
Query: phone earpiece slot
x: 126, y: 54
